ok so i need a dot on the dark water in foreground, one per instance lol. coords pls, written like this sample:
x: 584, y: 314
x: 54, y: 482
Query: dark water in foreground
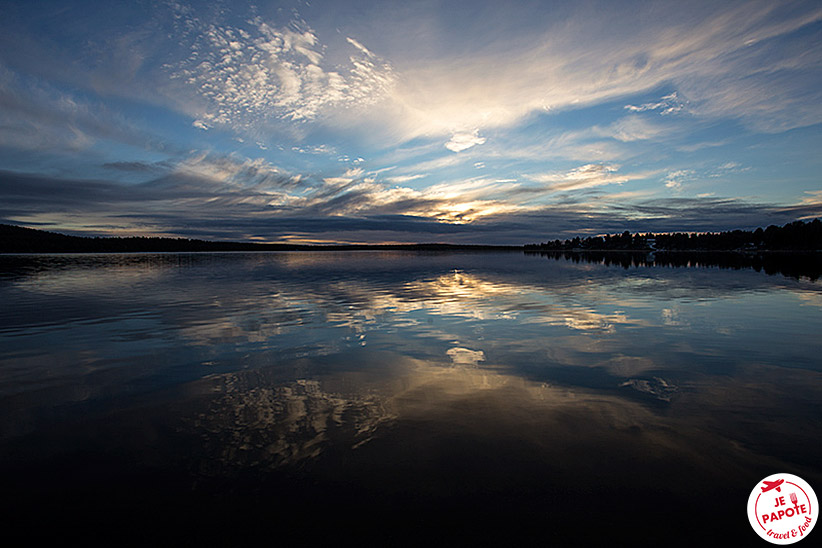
x: 393, y: 397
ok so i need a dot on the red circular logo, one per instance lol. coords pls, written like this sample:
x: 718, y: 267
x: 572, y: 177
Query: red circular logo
x: 783, y: 509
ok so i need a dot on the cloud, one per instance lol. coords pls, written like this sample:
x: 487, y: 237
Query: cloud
x: 316, y: 149
x: 254, y: 74
x: 814, y: 197
x: 583, y: 177
x: 36, y: 115
x: 232, y: 171
x: 744, y: 61
x: 701, y: 145
x: 260, y: 71
x: 465, y: 356
x: 631, y: 128
x: 728, y: 168
x: 205, y: 198
x: 400, y: 179
x: 464, y: 140
x: 136, y: 167
x: 669, y: 104
x: 674, y: 179
x: 441, y: 163
x: 705, y: 56
x: 360, y: 47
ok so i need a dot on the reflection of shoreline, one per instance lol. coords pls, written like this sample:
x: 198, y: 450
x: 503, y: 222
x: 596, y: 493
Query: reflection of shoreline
x: 793, y: 264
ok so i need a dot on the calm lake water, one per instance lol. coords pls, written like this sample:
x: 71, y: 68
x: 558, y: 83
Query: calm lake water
x: 388, y: 396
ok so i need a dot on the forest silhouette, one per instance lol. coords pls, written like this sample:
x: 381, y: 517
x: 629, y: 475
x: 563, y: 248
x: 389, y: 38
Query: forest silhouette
x: 795, y: 236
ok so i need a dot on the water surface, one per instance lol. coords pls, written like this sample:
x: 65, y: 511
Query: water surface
x: 397, y: 395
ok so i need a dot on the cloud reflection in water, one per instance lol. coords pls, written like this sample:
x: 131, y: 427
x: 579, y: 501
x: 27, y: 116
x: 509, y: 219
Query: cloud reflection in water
x: 416, y: 378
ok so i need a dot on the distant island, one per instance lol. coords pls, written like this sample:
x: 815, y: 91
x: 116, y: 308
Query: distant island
x: 795, y: 236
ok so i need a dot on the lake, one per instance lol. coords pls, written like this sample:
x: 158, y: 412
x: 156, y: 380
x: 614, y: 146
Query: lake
x: 397, y: 396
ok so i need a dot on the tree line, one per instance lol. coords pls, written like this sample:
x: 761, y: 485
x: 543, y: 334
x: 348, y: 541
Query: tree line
x: 795, y: 236
x: 17, y: 239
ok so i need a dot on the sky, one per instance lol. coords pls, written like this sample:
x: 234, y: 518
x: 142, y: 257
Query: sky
x: 413, y: 121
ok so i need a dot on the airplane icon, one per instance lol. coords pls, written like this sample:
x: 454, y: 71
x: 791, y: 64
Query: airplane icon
x: 773, y: 485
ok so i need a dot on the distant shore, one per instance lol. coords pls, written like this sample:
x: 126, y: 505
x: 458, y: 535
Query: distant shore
x: 794, y: 263
x: 16, y: 239
x: 797, y: 237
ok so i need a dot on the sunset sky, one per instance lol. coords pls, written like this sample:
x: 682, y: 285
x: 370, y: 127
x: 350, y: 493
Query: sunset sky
x: 413, y: 121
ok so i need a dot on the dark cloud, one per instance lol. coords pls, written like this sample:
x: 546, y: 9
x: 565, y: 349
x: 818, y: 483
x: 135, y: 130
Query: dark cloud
x: 186, y: 204
x: 138, y: 167
x: 27, y: 193
x: 36, y: 115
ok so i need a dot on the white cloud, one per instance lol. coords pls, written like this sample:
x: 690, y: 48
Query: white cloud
x: 360, y: 47
x: 814, y: 197
x: 468, y: 190
x: 353, y: 172
x: 349, y: 176
x: 229, y: 170
x: 669, y: 104
x: 464, y: 140
x: 701, y: 145
x: 718, y: 57
x: 701, y: 55
x: 317, y: 149
x: 400, y: 179
x: 631, y: 128
x: 465, y: 356
x: 674, y: 179
x: 255, y: 74
x: 728, y: 168
x: 583, y: 177
x: 435, y: 164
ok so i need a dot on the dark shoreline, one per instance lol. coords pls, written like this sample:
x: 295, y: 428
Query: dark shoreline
x: 793, y: 264
x: 21, y: 240
x: 434, y: 248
